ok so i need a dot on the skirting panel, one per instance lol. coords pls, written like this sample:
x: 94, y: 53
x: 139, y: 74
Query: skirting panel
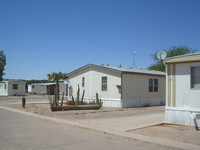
x: 182, y: 117
x: 143, y: 102
x: 128, y: 103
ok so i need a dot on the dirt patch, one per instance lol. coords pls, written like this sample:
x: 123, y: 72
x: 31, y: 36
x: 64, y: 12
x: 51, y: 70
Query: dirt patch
x: 185, y: 134
x: 104, y: 112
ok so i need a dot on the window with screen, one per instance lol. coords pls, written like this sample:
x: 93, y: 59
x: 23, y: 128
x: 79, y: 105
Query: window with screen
x: 104, y: 83
x: 195, y: 77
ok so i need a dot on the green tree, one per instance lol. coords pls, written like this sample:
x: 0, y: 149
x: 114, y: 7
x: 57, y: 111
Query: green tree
x: 36, y: 81
x: 2, y: 64
x: 57, y: 77
x: 171, y: 52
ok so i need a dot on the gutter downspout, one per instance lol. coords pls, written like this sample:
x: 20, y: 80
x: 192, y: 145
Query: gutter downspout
x: 166, y: 89
x: 166, y: 85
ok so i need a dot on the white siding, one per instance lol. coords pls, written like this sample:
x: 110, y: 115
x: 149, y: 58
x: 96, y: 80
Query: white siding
x: 39, y: 89
x: 93, y: 84
x: 185, y: 96
x: 143, y: 102
x: 3, y: 90
x: 9, y: 91
x: 76, y: 80
x: 112, y: 81
x: 29, y: 88
x: 187, y: 100
x: 178, y: 116
x: 135, y: 90
x: 19, y: 91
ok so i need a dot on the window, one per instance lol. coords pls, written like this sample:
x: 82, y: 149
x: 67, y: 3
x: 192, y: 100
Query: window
x: 195, y: 77
x: 83, y: 81
x: 150, y: 85
x: 5, y: 86
x: 15, y: 86
x: 33, y: 86
x: 153, y: 85
x: 104, y: 83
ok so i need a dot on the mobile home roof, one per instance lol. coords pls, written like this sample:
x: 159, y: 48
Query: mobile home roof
x: 121, y: 69
x: 183, y: 58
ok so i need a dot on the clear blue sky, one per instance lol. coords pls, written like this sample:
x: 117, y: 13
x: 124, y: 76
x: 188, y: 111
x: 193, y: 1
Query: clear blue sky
x: 44, y: 36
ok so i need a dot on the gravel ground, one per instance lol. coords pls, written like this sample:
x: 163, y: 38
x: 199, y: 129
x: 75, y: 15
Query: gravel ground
x: 104, y: 112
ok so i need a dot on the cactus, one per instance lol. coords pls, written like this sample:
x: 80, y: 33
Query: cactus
x: 56, y: 100
x: 82, y: 96
x: 73, y: 100
x: 23, y: 102
x: 78, y: 94
x: 98, y: 101
x: 62, y: 99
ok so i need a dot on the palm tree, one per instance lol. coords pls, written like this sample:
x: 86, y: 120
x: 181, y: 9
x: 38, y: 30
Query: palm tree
x: 57, y: 77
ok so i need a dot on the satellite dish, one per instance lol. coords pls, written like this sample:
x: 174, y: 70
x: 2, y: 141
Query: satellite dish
x: 66, y: 81
x: 161, y: 55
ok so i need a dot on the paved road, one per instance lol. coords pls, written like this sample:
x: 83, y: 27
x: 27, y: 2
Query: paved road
x: 24, y: 132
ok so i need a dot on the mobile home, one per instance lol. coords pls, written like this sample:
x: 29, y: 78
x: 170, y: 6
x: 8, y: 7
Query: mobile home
x: 183, y: 89
x: 119, y: 86
x: 12, y: 88
x: 47, y: 88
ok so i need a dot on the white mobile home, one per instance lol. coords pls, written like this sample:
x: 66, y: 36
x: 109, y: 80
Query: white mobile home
x: 118, y: 86
x: 12, y: 88
x: 182, y: 89
x: 46, y: 88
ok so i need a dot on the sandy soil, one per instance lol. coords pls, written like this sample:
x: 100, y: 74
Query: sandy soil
x: 185, y: 134
x: 104, y: 112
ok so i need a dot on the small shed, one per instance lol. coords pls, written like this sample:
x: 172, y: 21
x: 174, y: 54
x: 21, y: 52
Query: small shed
x: 183, y: 89
x: 118, y: 86
x: 12, y: 88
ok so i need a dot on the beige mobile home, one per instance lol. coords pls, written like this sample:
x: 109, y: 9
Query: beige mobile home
x: 183, y: 89
x: 118, y: 86
x: 12, y: 88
